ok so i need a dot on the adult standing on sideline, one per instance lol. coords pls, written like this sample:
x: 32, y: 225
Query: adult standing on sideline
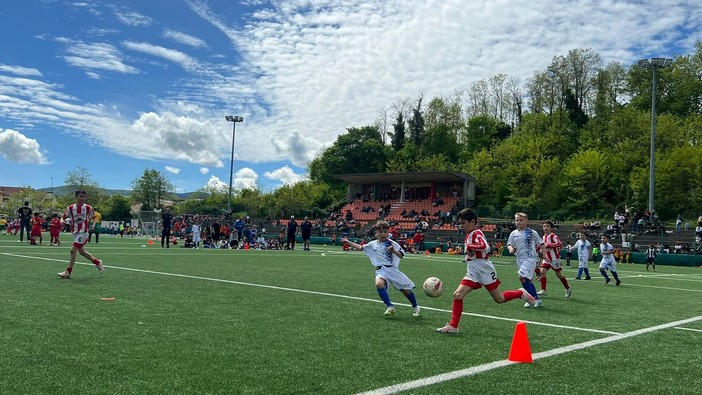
x: 96, y: 228
x: 292, y: 231
x: 166, y: 220
x: 25, y: 217
x: 306, y: 232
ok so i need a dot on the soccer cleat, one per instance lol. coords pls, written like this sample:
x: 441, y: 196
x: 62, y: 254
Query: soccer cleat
x: 578, y: 278
x: 64, y: 274
x: 618, y: 282
x: 415, y: 310
x: 447, y: 329
x: 530, y: 301
x: 390, y: 311
x: 542, y: 292
x: 539, y: 303
x: 100, y: 267
x: 607, y: 281
x: 569, y: 290
x: 588, y: 278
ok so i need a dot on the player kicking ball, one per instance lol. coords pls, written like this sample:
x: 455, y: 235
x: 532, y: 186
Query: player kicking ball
x: 385, y: 255
x: 80, y: 215
x: 481, y: 272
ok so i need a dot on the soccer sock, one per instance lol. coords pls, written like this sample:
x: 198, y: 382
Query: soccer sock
x: 614, y: 274
x: 580, y: 272
x: 69, y: 270
x: 509, y: 295
x: 604, y: 274
x: 411, y: 298
x: 564, y: 281
x: 529, y: 286
x: 383, y: 293
x: 587, y: 273
x: 543, y: 281
x: 456, y: 311
x: 96, y: 261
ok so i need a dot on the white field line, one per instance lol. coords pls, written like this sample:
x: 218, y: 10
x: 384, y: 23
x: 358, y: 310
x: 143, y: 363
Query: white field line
x: 315, y: 293
x: 393, y: 389
x: 688, y: 329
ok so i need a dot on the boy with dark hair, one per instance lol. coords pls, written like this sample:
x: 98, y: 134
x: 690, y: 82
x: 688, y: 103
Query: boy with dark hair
x: 481, y: 272
x: 80, y: 215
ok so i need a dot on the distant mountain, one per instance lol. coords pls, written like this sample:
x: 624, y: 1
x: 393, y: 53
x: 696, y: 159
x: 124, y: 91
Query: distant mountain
x: 67, y: 190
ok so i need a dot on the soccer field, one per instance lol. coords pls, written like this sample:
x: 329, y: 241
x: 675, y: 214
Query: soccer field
x: 294, y: 322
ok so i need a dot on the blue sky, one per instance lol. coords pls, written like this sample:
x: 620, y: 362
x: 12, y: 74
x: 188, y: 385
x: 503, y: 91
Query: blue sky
x: 120, y: 86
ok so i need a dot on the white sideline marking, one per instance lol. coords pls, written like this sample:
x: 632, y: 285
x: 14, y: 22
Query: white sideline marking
x: 499, y: 364
x: 315, y: 293
x: 688, y: 329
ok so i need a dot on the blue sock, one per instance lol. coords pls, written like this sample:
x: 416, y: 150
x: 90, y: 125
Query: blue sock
x: 587, y: 273
x: 383, y: 292
x: 580, y: 272
x: 604, y: 274
x: 529, y: 286
x: 411, y: 298
x: 614, y: 274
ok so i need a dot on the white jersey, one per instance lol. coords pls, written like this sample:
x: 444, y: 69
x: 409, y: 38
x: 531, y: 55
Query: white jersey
x: 380, y: 256
x: 607, y: 258
x: 196, y: 233
x: 583, y: 247
x: 526, y: 243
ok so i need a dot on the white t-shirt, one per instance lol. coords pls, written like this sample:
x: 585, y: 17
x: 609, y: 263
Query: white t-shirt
x: 525, y: 242
x: 583, y: 247
x: 380, y: 256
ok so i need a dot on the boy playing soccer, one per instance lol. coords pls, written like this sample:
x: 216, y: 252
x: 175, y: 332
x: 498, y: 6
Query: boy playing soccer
x: 385, y: 255
x: 481, y: 272
x: 55, y: 229
x: 524, y: 243
x: 608, y: 262
x: 552, y: 259
x: 36, y: 229
x: 80, y: 215
x: 584, y: 248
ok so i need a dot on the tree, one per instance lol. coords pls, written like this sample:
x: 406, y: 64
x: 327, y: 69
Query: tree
x: 81, y: 179
x: 416, y: 123
x: 117, y: 208
x: 360, y: 150
x: 150, y: 189
x: 398, y: 134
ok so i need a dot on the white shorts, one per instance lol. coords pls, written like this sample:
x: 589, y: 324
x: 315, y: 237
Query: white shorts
x: 394, y: 276
x: 196, y: 238
x: 79, y: 239
x: 481, y: 271
x: 554, y: 264
x: 582, y: 264
x: 527, y: 268
x: 611, y: 266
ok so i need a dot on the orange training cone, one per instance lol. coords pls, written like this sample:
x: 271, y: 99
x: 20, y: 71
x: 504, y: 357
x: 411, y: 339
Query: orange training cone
x: 520, y: 351
x: 246, y: 246
x: 150, y: 242
x: 426, y: 252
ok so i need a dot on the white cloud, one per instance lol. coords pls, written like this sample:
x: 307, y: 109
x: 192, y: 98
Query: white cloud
x: 285, y: 175
x: 204, y: 170
x: 97, y: 56
x: 16, y: 147
x: 245, y: 178
x: 172, y: 169
x: 131, y: 18
x: 184, y: 38
x: 214, y: 184
x: 172, y: 55
x: 19, y: 70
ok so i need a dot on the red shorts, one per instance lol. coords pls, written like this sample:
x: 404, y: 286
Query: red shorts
x: 476, y: 285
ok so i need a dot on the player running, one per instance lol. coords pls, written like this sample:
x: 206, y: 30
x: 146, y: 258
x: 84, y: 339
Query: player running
x: 552, y: 259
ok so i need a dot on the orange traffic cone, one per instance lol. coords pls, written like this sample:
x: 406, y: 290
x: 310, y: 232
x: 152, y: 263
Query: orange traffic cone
x: 426, y: 252
x: 150, y: 242
x: 520, y: 351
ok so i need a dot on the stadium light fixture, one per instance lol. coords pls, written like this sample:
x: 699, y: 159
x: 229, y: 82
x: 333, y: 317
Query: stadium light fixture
x: 653, y: 64
x: 234, y: 119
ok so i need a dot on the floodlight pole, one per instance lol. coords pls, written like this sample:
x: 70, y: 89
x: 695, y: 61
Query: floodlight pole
x: 653, y: 64
x: 234, y: 120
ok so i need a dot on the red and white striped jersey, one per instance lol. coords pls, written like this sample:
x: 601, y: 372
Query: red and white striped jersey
x: 80, y: 217
x: 476, y: 246
x: 553, y: 245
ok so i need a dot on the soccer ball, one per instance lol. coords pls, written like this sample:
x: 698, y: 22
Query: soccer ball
x: 433, y: 287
